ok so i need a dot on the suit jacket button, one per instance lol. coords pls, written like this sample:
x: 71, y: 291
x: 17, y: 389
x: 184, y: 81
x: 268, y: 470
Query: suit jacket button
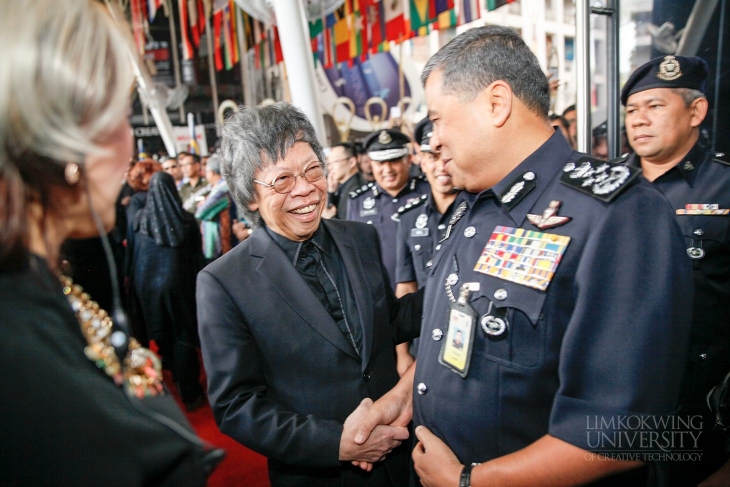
x: 366, y: 376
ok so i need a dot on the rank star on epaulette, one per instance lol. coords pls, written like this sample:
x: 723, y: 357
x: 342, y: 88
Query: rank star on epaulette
x: 549, y: 217
x: 601, y: 179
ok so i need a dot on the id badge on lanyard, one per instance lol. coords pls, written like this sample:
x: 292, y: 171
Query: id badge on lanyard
x: 456, y: 349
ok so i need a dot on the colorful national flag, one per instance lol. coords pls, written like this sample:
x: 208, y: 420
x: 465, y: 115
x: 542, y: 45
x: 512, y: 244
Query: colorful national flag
x: 278, y: 53
x: 445, y: 20
x: 437, y: 7
x: 342, y: 40
x: 395, y: 27
x: 468, y: 11
x: 194, y: 20
x: 187, y: 47
x: 495, y: 4
x: 217, y: 24
x: 420, y: 18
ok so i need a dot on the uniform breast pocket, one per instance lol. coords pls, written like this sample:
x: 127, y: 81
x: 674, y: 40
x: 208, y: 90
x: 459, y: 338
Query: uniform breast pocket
x: 520, y: 343
x: 421, y: 251
x: 705, y: 234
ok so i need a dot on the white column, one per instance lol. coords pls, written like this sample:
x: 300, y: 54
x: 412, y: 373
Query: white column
x: 296, y: 47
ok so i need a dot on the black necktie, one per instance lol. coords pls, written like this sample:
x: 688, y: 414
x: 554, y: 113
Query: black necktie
x: 318, y: 278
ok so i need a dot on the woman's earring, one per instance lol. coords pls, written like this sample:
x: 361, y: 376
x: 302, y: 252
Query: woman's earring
x: 72, y: 173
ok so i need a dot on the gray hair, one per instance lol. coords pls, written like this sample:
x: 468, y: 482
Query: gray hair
x: 480, y: 56
x: 688, y: 95
x: 214, y: 163
x: 64, y: 85
x: 254, y: 138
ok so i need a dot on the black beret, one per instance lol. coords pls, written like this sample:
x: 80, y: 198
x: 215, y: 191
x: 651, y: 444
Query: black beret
x: 386, y: 145
x: 422, y: 134
x: 667, y: 72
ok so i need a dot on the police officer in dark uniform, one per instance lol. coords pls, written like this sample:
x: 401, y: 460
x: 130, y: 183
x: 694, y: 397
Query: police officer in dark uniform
x: 377, y: 204
x: 665, y: 105
x: 423, y: 222
x: 544, y: 269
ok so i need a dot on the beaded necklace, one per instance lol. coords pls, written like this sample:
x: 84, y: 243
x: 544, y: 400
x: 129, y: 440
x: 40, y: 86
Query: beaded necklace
x: 141, y: 371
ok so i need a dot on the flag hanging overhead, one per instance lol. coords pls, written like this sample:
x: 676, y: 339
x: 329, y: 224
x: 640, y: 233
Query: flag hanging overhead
x: 468, y: 11
x: 495, y: 4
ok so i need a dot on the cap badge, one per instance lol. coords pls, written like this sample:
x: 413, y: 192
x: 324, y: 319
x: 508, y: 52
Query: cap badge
x: 669, y: 69
x: 384, y: 138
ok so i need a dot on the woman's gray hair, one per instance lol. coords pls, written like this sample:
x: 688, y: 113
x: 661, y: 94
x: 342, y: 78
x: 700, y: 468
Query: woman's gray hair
x: 254, y: 138
x: 480, y: 56
x: 65, y: 83
x: 65, y: 79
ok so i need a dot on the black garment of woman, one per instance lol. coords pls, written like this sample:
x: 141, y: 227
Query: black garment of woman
x: 166, y: 256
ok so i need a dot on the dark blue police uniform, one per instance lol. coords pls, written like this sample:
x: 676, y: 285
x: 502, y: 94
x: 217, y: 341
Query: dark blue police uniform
x: 697, y: 190
x: 420, y: 229
x: 597, y: 342
x: 376, y: 207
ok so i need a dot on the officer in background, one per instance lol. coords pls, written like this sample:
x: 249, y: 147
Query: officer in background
x: 545, y: 272
x: 423, y: 222
x: 342, y: 173
x: 665, y: 105
x: 377, y: 203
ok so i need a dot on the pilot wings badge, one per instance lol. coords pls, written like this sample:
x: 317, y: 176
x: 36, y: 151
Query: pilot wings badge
x: 549, y: 217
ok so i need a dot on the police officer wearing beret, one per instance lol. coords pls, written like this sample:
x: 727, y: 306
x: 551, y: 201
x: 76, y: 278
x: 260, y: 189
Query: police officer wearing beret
x: 377, y: 203
x: 544, y: 270
x: 665, y: 105
x: 423, y: 222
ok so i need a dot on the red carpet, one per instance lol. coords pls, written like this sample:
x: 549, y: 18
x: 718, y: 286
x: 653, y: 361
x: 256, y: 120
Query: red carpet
x: 241, y: 467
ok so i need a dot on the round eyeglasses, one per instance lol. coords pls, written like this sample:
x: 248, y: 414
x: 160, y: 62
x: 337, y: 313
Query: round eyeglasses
x: 285, y: 181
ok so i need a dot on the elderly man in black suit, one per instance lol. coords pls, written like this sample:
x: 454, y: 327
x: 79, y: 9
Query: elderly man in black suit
x: 297, y: 323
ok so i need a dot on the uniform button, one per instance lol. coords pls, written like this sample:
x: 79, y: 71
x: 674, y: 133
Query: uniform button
x: 438, y: 247
x: 528, y: 176
x: 437, y: 334
x: 703, y: 356
x: 422, y: 388
x: 366, y: 376
x: 395, y: 200
x: 441, y: 227
x: 429, y: 263
x: 370, y: 222
x: 500, y: 294
x: 416, y: 247
x: 699, y: 232
x: 469, y: 232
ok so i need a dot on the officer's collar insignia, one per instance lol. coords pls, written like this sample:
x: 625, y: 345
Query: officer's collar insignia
x: 422, y: 220
x: 385, y: 138
x: 518, y: 189
x: 522, y: 256
x: 458, y: 213
x: 549, y: 217
x: 720, y: 157
x: 688, y: 166
x: 669, y: 69
x: 601, y: 179
x: 368, y: 203
x: 375, y: 191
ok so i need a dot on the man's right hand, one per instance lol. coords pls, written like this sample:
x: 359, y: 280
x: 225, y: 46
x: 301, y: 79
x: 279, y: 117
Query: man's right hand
x: 395, y: 408
x: 381, y: 440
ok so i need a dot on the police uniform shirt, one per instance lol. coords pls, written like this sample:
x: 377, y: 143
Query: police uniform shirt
x: 419, y: 232
x: 701, y: 180
x: 599, y: 342
x: 376, y: 207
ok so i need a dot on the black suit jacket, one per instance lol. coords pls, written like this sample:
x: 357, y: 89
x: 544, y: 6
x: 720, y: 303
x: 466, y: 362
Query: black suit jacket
x: 282, y: 378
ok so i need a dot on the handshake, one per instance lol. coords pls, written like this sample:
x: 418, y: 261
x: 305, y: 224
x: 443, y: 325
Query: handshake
x: 365, y: 440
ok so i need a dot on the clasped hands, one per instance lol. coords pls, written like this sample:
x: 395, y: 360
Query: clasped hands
x: 380, y: 442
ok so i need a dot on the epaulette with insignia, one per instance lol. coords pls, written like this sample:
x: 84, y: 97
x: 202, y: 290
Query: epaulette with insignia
x: 721, y: 157
x: 408, y: 207
x: 414, y: 204
x: 601, y: 179
x: 361, y: 190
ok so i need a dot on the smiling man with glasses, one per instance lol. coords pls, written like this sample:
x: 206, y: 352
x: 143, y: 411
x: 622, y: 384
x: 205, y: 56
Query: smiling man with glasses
x: 298, y: 322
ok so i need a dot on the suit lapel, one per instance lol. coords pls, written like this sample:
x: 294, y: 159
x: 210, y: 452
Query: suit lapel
x: 281, y: 275
x: 356, y: 274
